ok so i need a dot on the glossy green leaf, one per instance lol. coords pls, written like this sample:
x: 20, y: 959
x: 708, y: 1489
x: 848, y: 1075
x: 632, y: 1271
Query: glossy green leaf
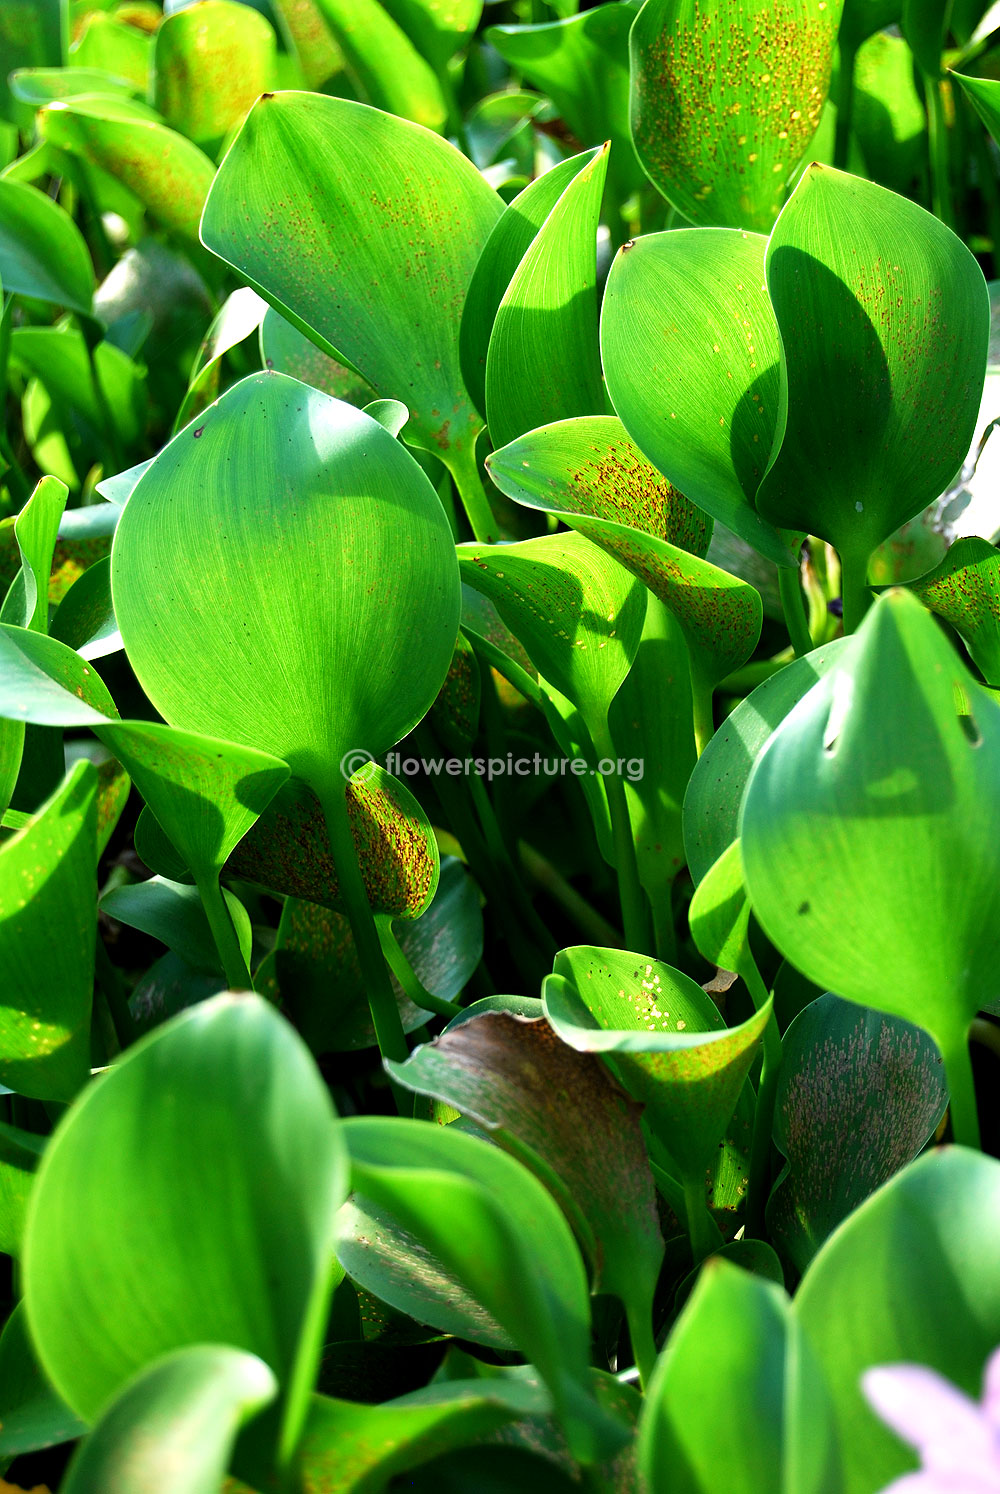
x: 412, y: 216
x: 663, y: 1037
x: 847, y: 1072
x: 499, y: 1231
x: 283, y: 348
x: 47, y: 932
x: 34, y: 1416
x: 213, y: 1221
x: 504, y: 1073
x: 85, y: 618
x: 577, y: 612
x: 984, y: 95
x: 905, y: 1279
x: 36, y: 529
x: 296, y: 577
x: 177, y: 1420
x: 543, y: 362
x: 45, y: 683
x: 288, y: 850
x: 40, y: 85
x: 208, y: 66
x: 892, y: 756
x: 238, y: 317
x: 719, y: 914
x: 726, y: 101
x: 58, y: 357
x: 42, y: 252
x: 167, y: 173
x: 888, y: 116
x: 965, y: 590
x: 581, y: 63
x: 390, y: 71
x: 19, y: 1154
x: 172, y: 913
x: 691, y: 354
x: 877, y: 300
x: 724, y: 1411
x: 111, y: 45
x: 715, y: 789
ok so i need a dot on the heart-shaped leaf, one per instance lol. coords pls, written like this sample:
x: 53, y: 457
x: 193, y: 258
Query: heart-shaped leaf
x: 208, y: 66
x: 510, y: 239
x: 904, y: 1278
x: 847, y: 1072
x: 725, y: 101
x: 42, y: 252
x: 177, y: 1420
x: 892, y: 760
x: 502, y: 1071
x: 544, y: 362
x: 691, y: 354
x: 213, y: 1221
x: 876, y: 300
x: 965, y: 590
x: 417, y: 224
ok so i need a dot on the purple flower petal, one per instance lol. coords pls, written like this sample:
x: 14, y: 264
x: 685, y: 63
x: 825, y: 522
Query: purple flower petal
x: 952, y: 1433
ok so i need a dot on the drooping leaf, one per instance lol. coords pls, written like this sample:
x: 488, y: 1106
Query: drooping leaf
x: 47, y: 931
x: 176, y: 1421
x: 859, y: 1095
x: 213, y: 1221
x: 42, y: 252
x: 965, y: 590
x: 208, y: 66
x: 543, y: 362
x: 691, y: 353
x: 726, y: 100
x: 876, y: 300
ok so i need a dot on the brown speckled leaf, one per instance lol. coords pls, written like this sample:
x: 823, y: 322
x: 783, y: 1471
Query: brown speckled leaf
x: 859, y: 1095
x: 726, y: 96
x: 965, y: 590
x: 547, y: 1103
x: 209, y: 64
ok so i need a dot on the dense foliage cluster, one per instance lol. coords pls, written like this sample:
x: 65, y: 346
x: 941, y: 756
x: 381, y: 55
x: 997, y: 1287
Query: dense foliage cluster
x: 499, y: 746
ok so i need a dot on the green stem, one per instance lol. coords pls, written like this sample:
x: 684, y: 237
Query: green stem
x: 223, y: 931
x: 961, y: 1091
x: 587, y: 919
x: 759, y: 1180
x: 845, y: 107
x: 636, y: 921
x: 702, y: 691
x: 407, y: 976
x: 702, y: 1230
x: 640, y: 1331
x: 664, y: 932
x: 92, y: 334
x: 792, y: 606
x: 937, y: 138
x: 461, y: 463
x: 854, y: 589
x: 742, y: 681
x: 375, y: 973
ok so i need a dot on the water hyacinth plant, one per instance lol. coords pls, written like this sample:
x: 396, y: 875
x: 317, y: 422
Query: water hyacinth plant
x: 499, y: 746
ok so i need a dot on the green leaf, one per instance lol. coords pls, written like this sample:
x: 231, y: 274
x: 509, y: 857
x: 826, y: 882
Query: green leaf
x: 582, y: 64
x: 965, y: 590
x: 208, y: 66
x: 42, y: 252
x: 862, y: 18
x: 34, y: 1416
x: 85, y: 618
x: 924, y: 25
x: 411, y: 217
x: 19, y: 1154
x: 59, y: 358
x: 290, y: 576
x: 905, y: 1279
x: 389, y: 70
x: 177, y: 1420
x: 590, y: 467
x: 438, y: 30
x: 283, y: 348
x: 847, y: 1072
x: 663, y: 1037
x: 113, y: 46
x: 32, y: 34
x: 544, y: 363
x: 172, y: 913
x: 510, y: 239
x: 715, y: 790
x: 47, y: 942
x: 877, y: 300
x: 724, y: 1410
x: 499, y: 1231
x: 238, y: 318
x: 725, y: 102
x: 36, y: 529
x: 893, y: 758
x: 719, y: 914
x: 41, y: 85
x: 45, y: 683
x: 691, y: 354
x: 167, y: 173
x: 888, y: 115
x: 505, y: 1073
x: 984, y: 95
x: 213, y: 1219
